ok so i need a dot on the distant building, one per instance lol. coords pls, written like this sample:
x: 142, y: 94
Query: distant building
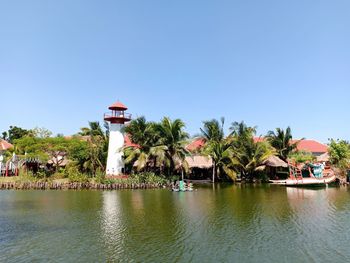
x: 312, y: 146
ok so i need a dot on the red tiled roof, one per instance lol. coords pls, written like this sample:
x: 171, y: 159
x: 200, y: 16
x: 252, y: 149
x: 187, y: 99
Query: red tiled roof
x: 196, y: 144
x: 304, y: 145
x: 259, y: 139
x: 128, y: 142
x: 4, y: 145
x: 311, y: 146
x: 117, y: 106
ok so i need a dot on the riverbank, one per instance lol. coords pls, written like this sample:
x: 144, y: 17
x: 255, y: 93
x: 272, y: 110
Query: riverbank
x: 77, y: 186
x: 140, y: 181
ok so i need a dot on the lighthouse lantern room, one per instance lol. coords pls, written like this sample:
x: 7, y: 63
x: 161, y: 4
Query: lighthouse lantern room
x: 117, y: 118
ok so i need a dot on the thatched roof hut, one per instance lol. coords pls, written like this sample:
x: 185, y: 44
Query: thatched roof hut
x: 274, y: 161
x: 199, y: 161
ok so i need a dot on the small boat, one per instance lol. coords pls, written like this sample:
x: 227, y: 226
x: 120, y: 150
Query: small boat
x: 311, y: 175
x: 183, y: 187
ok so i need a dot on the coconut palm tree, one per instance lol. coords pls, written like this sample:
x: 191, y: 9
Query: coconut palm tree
x: 172, y: 142
x: 250, y: 157
x: 213, y: 130
x: 213, y: 133
x: 97, y: 145
x: 282, y: 141
x: 145, y: 138
x: 248, y: 153
x: 223, y: 158
x: 94, y: 129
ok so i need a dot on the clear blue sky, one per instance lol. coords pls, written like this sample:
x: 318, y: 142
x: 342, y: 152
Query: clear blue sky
x: 271, y: 63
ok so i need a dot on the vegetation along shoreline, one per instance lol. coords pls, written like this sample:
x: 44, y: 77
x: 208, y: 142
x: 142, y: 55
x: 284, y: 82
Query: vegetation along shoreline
x: 157, y: 154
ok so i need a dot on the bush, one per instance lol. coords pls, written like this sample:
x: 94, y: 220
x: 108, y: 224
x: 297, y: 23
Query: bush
x: 75, y: 176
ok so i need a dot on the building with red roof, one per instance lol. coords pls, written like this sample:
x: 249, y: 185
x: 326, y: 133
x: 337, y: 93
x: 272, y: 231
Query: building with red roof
x: 4, y: 145
x: 196, y: 144
x: 315, y: 147
x: 312, y: 146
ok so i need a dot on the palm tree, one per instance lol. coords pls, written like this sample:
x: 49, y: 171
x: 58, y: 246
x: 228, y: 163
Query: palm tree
x: 249, y: 158
x: 242, y: 130
x: 172, y: 141
x: 282, y: 141
x: 94, y: 129
x: 97, y: 145
x: 145, y: 138
x: 248, y: 153
x: 223, y: 158
x: 213, y: 130
x: 213, y: 133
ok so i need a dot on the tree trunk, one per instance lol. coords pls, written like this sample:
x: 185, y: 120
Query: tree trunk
x: 214, y: 169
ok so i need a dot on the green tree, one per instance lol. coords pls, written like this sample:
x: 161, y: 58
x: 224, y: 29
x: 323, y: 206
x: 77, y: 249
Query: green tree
x: 15, y: 133
x: 144, y: 137
x: 301, y: 157
x: 172, y: 142
x: 213, y: 130
x: 94, y: 129
x: 97, y: 146
x: 249, y: 154
x: 215, y: 148
x: 339, y: 153
x: 282, y: 141
x: 41, y: 132
x: 223, y: 158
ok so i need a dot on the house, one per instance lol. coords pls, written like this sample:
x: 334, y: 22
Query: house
x: 312, y: 146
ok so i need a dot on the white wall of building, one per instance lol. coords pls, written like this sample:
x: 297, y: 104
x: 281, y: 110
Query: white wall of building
x: 115, y: 162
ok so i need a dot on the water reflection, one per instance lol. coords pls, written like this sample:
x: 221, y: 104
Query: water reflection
x: 218, y: 223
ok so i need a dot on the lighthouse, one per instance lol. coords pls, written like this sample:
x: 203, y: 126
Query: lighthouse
x: 117, y: 117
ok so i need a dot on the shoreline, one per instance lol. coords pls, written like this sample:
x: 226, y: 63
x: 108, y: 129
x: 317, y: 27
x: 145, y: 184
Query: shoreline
x: 78, y: 186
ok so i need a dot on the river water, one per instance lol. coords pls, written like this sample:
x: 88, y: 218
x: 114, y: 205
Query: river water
x: 221, y: 223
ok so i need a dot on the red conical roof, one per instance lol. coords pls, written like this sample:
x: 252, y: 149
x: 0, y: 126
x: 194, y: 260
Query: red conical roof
x: 117, y: 106
x: 4, y: 145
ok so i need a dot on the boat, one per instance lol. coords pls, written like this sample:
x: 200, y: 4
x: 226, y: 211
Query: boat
x: 310, y: 175
x: 183, y: 187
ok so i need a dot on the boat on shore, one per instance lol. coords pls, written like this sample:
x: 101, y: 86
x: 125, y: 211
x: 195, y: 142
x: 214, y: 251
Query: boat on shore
x: 310, y: 175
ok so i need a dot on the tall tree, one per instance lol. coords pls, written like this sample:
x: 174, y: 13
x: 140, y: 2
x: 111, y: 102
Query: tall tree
x: 213, y: 130
x: 223, y: 158
x: 144, y: 137
x: 15, y: 133
x: 249, y: 154
x: 94, y: 129
x: 172, y: 139
x: 282, y: 141
x: 213, y: 133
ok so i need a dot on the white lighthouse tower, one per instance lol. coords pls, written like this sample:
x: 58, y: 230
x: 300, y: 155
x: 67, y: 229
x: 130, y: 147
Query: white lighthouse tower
x: 117, y: 117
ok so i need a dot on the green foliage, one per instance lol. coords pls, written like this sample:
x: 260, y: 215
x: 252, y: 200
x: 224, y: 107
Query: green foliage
x: 15, y: 133
x: 41, y: 132
x: 282, y: 141
x: 302, y: 157
x: 75, y: 176
x: 213, y: 130
x: 238, y: 153
x: 158, y: 144
x: 140, y: 178
x: 172, y: 143
x: 339, y: 152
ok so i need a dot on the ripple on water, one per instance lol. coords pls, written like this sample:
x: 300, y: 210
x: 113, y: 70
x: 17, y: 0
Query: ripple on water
x: 230, y: 224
